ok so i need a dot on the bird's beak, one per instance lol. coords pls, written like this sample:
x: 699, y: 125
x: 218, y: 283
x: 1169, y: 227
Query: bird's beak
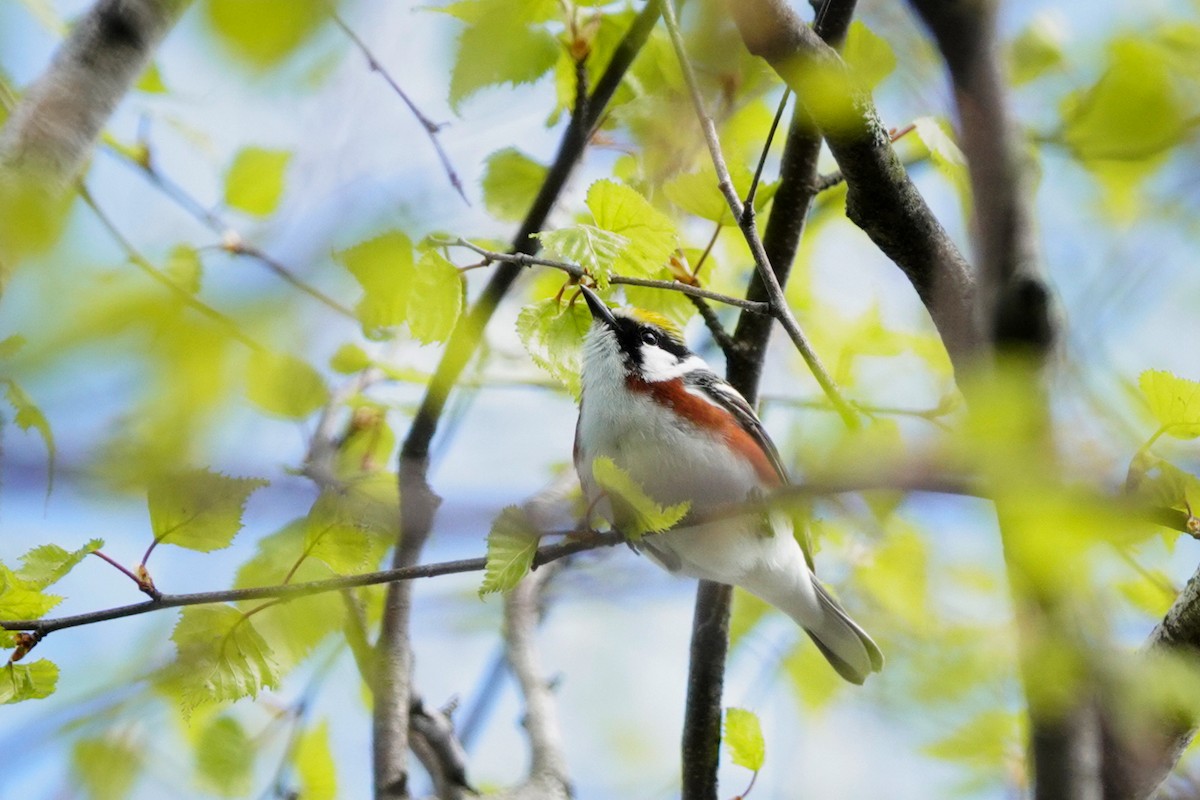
x: 600, y: 312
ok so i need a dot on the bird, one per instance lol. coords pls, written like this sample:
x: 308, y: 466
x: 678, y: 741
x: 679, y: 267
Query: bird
x: 684, y: 434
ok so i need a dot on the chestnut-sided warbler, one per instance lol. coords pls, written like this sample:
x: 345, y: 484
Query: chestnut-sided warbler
x: 661, y: 414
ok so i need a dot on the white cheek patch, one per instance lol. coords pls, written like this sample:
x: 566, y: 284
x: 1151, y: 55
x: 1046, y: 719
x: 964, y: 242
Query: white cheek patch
x: 660, y: 365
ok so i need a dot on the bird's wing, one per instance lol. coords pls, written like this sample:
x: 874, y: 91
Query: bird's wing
x: 730, y: 399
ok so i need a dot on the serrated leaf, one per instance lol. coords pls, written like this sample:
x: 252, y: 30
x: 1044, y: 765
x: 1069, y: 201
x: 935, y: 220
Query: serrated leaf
x: 1174, y: 402
x: 315, y: 768
x: 225, y: 757
x: 21, y: 598
x: 220, y: 657
x: 48, y: 563
x: 335, y: 536
x: 28, y: 415
x: 435, y: 300
x: 199, y: 509
x: 284, y: 385
x: 348, y: 359
x: 511, y: 180
x: 384, y: 267
x: 744, y: 739
x: 590, y: 247
x: 868, y: 55
x: 31, y: 681
x: 553, y: 336
x: 650, y: 236
x: 105, y: 767
x: 639, y: 514
x: 254, y: 182
x: 511, y: 546
x: 264, y: 31
x: 504, y: 44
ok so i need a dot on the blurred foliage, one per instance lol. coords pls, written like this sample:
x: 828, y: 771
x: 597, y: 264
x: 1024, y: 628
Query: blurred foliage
x: 171, y: 346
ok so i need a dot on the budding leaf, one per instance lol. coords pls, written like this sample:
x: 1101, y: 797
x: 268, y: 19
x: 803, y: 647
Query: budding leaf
x: 1174, y: 402
x: 744, y: 739
x: 199, y: 509
x: 511, y: 546
x: 638, y: 514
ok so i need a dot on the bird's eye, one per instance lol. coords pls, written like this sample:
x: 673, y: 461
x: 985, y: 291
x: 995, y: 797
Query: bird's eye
x: 650, y: 337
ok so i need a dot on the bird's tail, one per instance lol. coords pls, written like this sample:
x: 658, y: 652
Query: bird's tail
x: 845, y: 645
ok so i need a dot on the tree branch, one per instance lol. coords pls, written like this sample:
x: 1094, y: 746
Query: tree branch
x: 58, y: 119
x: 393, y: 650
x: 880, y: 197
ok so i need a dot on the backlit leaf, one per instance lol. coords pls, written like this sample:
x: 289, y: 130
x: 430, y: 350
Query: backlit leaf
x: 284, y: 385
x: 199, y: 509
x: 868, y: 55
x: 348, y: 359
x: 264, y: 31
x: 21, y: 598
x: 639, y: 514
x: 254, y: 183
x: 184, y: 267
x: 28, y: 415
x: 315, y: 768
x: 105, y: 767
x: 553, y: 336
x: 383, y: 266
x: 48, y: 563
x: 511, y: 180
x: 221, y: 657
x: 335, y: 536
x: 744, y: 739
x: 511, y: 545
x: 503, y: 44
x: 436, y: 299
x: 1174, y: 402
x: 225, y: 757
x: 590, y: 247
x: 1036, y: 49
x: 31, y: 681
x: 650, y: 236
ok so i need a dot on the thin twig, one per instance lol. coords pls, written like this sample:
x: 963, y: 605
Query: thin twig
x: 576, y: 271
x: 231, y: 241
x: 144, y: 586
x: 762, y: 157
x: 143, y: 263
x: 715, y: 328
x: 431, y: 127
x: 745, y: 214
x: 290, y: 591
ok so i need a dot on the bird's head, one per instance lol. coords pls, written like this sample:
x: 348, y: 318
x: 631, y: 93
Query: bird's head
x: 633, y: 344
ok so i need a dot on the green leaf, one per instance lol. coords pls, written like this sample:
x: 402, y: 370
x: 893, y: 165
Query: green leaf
x: 28, y: 415
x: 105, y: 767
x: 383, y: 266
x: 12, y: 345
x: 503, y: 44
x: 48, y: 563
x: 553, y: 337
x: 1174, y: 402
x: 334, y: 535
x: 698, y: 193
x: 639, y: 513
x: 315, y: 768
x: 21, y: 598
x: 436, y: 299
x: 1036, y: 50
x: 264, y: 31
x: 221, y: 657
x: 254, y: 183
x: 511, y: 546
x: 650, y: 236
x: 184, y: 267
x: 27, y: 681
x: 744, y: 739
x: 985, y: 741
x: 1123, y: 126
x: 590, y: 247
x: 199, y: 509
x: 349, y: 359
x: 868, y: 55
x: 225, y: 757
x: 511, y: 180
x: 284, y: 385
x: 151, y: 81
